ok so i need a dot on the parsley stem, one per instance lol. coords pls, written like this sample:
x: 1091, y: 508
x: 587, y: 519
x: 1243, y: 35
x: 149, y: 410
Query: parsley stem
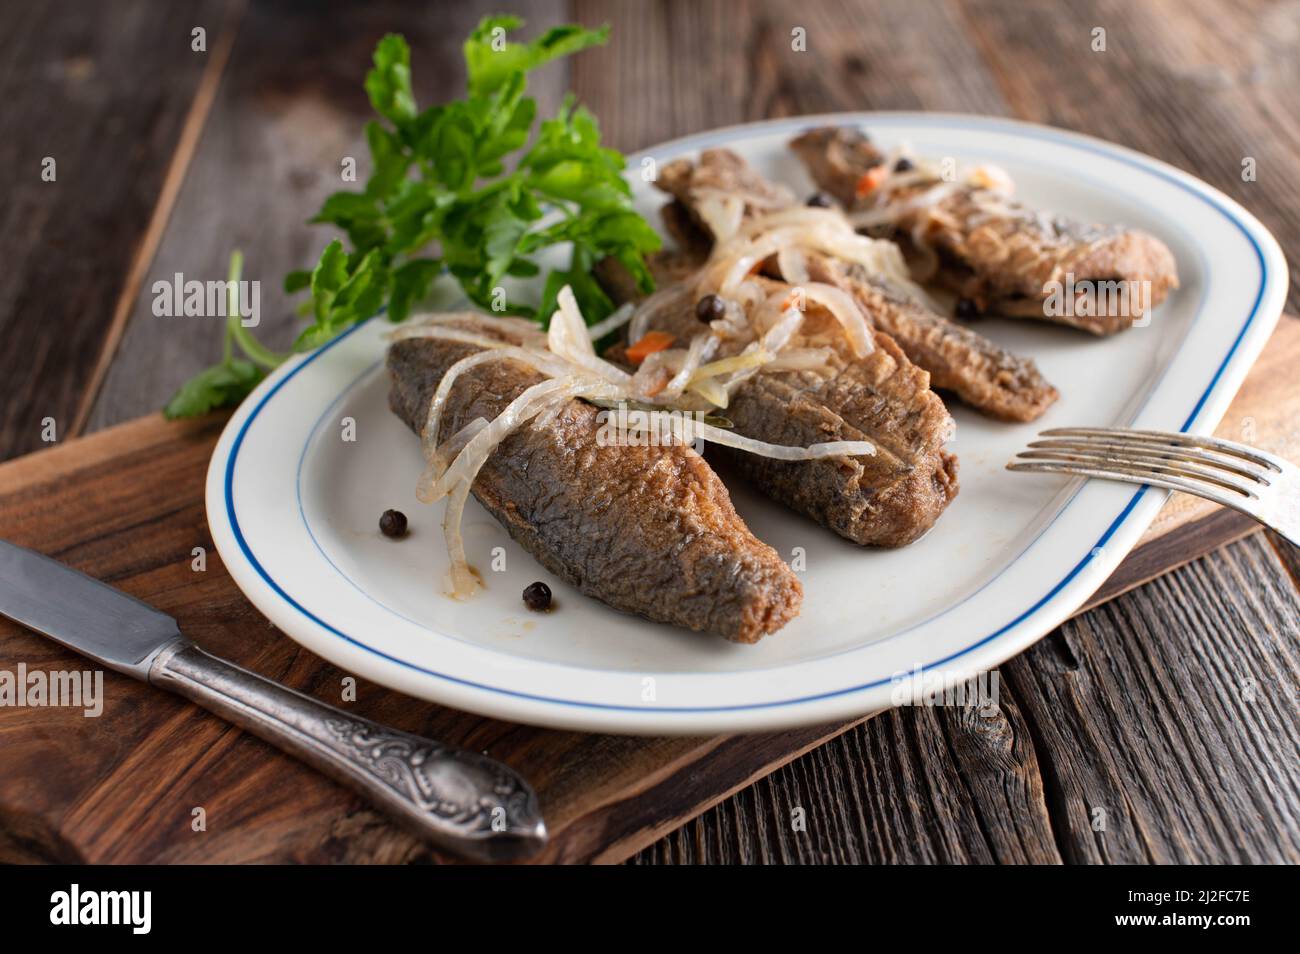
x: 235, y: 330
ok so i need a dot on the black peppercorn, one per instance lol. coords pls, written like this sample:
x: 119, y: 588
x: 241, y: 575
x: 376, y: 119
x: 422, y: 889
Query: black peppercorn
x: 966, y: 309
x: 393, y: 524
x: 819, y: 200
x: 537, y: 596
x: 710, y: 308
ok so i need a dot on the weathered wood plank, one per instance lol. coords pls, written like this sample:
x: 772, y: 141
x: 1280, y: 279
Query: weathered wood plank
x: 1185, y: 82
x: 126, y: 505
x: 81, y: 86
x: 1186, y: 745
x: 927, y: 785
x: 1187, y: 748
x: 289, y: 110
x: 683, y: 67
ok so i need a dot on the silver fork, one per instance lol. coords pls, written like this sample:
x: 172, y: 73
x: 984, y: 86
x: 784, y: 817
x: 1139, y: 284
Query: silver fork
x: 1259, y: 484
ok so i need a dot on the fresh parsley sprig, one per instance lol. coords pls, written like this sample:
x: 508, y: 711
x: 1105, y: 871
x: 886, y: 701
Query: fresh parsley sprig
x: 231, y: 380
x: 441, y: 200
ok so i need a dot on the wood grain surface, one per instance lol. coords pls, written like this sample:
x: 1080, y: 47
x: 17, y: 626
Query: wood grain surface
x: 1170, y: 709
x: 125, y: 505
x: 80, y: 89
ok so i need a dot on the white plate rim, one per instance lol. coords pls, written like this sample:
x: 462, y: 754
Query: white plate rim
x: 1027, y: 626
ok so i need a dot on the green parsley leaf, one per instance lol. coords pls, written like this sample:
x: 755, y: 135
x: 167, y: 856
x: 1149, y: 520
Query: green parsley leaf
x: 440, y: 199
x: 221, y: 385
x: 389, y: 83
x: 490, y: 60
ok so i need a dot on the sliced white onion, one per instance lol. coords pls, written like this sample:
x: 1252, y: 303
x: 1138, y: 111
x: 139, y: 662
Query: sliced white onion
x: 928, y: 266
x: 447, y: 334
x: 711, y: 391
x: 507, y: 324
x: 793, y: 265
x: 875, y: 217
x: 539, y: 360
x: 567, y: 337
x: 621, y: 316
x: 993, y: 178
x: 846, y: 311
x: 779, y: 335
x: 732, y: 263
x: 463, y: 581
x: 782, y: 198
x: 654, y: 373
x: 440, y: 457
x: 721, y: 213
x: 567, y: 333
x: 458, y: 479
x: 701, y: 349
x: 794, y: 215
x: 528, y: 403
x: 739, y: 362
x: 688, y: 429
x: 801, y: 359
x: 888, y: 211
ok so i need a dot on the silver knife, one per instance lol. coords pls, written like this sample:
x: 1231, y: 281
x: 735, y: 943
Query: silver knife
x: 461, y: 801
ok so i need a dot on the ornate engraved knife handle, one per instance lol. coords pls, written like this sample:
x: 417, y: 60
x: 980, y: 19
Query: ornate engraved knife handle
x: 461, y: 801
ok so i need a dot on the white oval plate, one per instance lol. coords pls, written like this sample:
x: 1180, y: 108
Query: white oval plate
x: 293, y: 506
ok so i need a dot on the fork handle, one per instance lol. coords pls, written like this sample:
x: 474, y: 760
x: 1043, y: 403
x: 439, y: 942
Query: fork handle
x: 464, y: 802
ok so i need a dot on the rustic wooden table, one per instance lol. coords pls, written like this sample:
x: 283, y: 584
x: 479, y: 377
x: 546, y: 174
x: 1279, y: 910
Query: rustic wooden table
x: 1161, y: 726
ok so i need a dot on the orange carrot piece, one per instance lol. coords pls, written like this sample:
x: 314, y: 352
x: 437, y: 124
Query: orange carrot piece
x: 870, y: 180
x: 648, y: 344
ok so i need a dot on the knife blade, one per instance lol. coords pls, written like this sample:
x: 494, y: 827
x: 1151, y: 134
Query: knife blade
x: 87, y: 616
x: 464, y: 802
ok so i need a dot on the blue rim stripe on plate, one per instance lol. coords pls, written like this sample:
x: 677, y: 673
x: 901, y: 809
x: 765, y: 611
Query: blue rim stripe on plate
x: 1143, y: 163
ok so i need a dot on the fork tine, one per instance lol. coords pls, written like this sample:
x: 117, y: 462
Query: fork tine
x: 1176, y: 439
x: 1234, y: 501
x: 1141, y: 466
x: 1157, y: 454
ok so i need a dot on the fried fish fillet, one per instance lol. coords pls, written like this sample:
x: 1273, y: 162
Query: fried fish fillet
x: 1000, y: 254
x: 989, y: 378
x: 887, y: 499
x: 647, y: 530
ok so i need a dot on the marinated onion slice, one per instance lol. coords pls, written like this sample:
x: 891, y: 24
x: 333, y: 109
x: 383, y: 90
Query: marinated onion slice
x: 458, y: 479
x: 701, y: 349
x: 621, y: 316
x: 566, y: 357
x: 441, y: 458
x: 793, y: 265
x: 722, y: 213
x: 846, y: 311
x: 687, y: 429
x: 567, y: 337
x: 801, y: 359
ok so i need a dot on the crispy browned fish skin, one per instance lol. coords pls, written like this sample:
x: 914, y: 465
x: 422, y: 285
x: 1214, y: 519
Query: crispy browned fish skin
x: 997, y: 382
x: 721, y: 170
x: 888, y: 499
x: 1002, y: 264
x: 648, y: 530
x: 983, y: 375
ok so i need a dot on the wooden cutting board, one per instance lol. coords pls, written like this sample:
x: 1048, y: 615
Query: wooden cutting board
x: 126, y: 505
